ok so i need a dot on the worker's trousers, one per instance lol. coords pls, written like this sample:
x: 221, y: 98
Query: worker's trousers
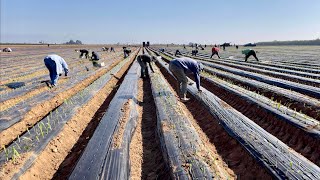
x: 52, y: 67
x: 143, y: 66
x: 181, y: 76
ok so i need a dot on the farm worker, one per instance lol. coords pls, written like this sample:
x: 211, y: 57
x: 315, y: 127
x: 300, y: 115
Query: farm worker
x: 84, y: 52
x: 177, y: 52
x: 7, y: 50
x: 112, y: 49
x: 237, y: 46
x: 215, y: 50
x: 248, y: 53
x: 143, y: 59
x: 126, y: 52
x: 180, y: 67
x: 55, y: 64
x: 194, y: 52
x: 95, y: 58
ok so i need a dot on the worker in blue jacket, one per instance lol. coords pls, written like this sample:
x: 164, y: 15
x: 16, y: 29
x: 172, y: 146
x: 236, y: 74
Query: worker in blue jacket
x: 180, y: 67
x: 55, y: 65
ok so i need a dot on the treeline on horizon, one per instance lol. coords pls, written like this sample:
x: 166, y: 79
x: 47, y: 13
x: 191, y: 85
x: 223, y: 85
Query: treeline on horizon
x: 315, y: 42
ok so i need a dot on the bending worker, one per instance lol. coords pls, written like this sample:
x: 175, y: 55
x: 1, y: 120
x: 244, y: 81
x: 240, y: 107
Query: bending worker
x: 177, y: 52
x: 215, y: 50
x: 55, y: 64
x: 143, y: 59
x: 194, y: 52
x: 248, y: 53
x: 84, y: 52
x: 95, y: 58
x: 180, y: 67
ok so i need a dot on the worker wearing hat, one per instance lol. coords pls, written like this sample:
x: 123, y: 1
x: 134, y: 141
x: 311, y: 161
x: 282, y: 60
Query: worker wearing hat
x: 180, y: 67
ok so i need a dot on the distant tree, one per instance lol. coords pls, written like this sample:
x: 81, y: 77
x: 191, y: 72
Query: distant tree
x: 74, y: 42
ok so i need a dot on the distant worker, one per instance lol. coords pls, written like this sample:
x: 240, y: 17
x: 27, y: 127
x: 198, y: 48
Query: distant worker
x: 126, y: 52
x: 177, y: 52
x: 7, y: 50
x: 224, y: 47
x: 248, y: 53
x: 48, y: 45
x: 237, y: 46
x: 55, y: 64
x: 112, y: 49
x: 143, y: 59
x: 184, y: 46
x: 105, y: 49
x: 215, y: 50
x: 180, y: 67
x: 84, y: 52
x: 95, y: 60
x: 194, y: 52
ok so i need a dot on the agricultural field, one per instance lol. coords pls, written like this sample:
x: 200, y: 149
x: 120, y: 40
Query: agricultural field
x: 252, y: 120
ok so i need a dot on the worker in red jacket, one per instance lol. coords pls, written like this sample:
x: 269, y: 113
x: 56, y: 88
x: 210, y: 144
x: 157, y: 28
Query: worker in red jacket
x: 215, y: 50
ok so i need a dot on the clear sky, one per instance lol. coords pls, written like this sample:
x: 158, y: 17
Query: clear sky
x: 159, y: 21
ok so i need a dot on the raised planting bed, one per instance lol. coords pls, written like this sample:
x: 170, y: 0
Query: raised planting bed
x: 184, y: 152
x: 29, y: 112
x: 112, y: 137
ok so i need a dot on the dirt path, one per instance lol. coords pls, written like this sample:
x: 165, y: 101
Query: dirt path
x: 146, y: 158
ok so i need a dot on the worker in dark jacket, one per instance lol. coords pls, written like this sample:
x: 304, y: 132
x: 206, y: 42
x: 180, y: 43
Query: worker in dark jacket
x: 215, y: 50
x: 194, y: 52
x: 84, y: 52
x: 95, y: 58
x: 112, y: 49
x: 177, y: 52
x: 180, y: 67
x: 143, y: 59
x: 248, y: 53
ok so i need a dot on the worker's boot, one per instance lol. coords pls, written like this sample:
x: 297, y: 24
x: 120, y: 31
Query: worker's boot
x: 184, y: 98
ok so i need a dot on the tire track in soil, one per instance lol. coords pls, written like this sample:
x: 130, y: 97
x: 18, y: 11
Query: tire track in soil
x: 235, y: 156
x: 294, y: 137
x: 146, y: 158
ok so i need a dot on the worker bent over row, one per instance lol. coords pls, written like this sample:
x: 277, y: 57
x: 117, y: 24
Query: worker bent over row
x: 180, y: 67
x: 177, y: 52
x: 194, y: 52
x: 248, y: 53
x: 143, y: 59
x: 84, y: 52
x: 215, y: 50
x: 55, y: 64
x: 95, y: 58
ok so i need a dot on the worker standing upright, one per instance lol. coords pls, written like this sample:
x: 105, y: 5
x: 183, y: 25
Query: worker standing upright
x: 215, y: 50
x: 248, y: 53
x: 55, y: 64
x: 180, y: 67
x: 112, y: 49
